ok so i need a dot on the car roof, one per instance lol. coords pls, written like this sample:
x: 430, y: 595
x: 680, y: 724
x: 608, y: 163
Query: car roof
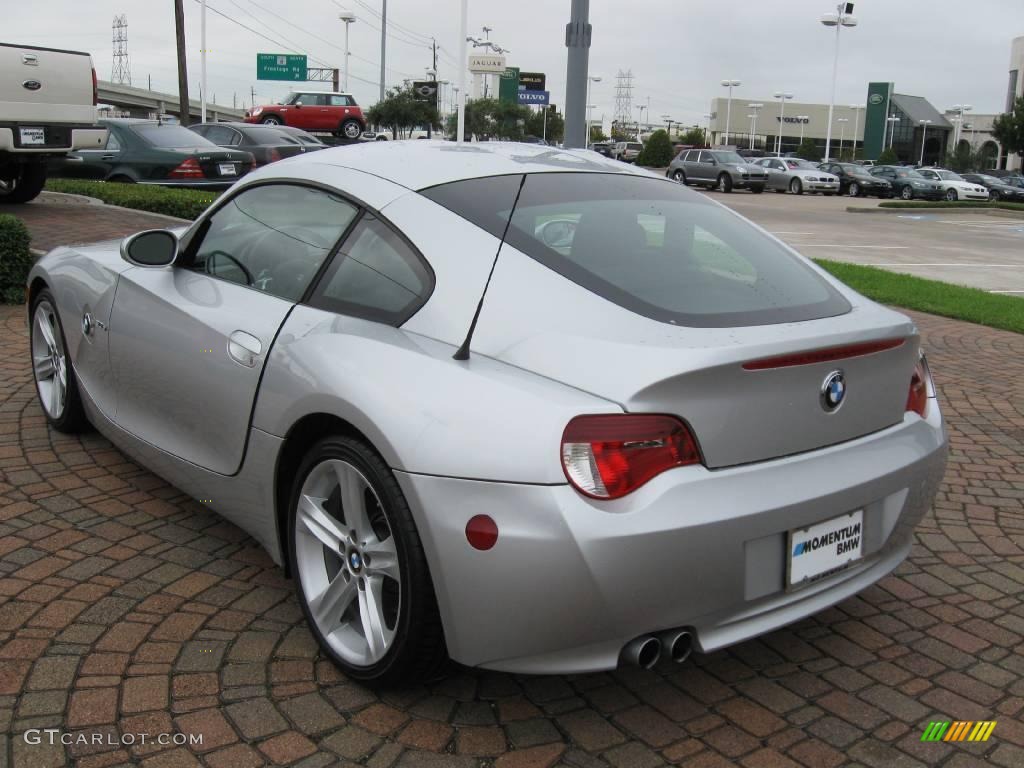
x: 420, y: 164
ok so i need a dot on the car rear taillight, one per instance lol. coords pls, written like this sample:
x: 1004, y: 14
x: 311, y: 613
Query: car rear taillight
x: 95, y: 89
x: 608, y: 456
x: 921, y: 389
x: 274, y: 155
x: 189, y: 169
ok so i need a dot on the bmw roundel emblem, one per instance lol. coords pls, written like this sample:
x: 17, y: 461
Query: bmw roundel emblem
x: 833, y: 391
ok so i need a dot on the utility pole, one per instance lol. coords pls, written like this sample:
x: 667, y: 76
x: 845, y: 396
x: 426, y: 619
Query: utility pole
x: 460, y: 89
x: 383, y: 43
x: 202, y: 60
x: 179, y: 31
x: 577, y: 40
x: 433, y: 47
x: 252, y: 96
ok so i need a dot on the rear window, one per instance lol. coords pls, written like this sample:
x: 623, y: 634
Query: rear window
x: 266, y: 136
x: 171, y: 136
x: 648, y: 245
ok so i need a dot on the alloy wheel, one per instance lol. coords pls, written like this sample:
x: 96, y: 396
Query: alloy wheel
x: 855, y: 190
x: 951, y: 194
x: 48, y: 361
x: 347, y: 562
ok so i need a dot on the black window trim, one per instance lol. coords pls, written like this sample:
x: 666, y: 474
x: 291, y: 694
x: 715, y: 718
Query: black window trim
x: 197, y: 234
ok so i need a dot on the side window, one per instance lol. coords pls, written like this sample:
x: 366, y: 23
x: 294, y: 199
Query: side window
x: 340, y: 101
x: 273, y: 238
x: 315, y: 99
x: 221, y: 135
x: 706, y: 157
x: 376, y: 275
x: 113, y: 145
x: 691, y: 156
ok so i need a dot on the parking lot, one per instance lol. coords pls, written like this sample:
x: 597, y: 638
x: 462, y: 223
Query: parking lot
x: 980, y: 250
x: 128, y: 608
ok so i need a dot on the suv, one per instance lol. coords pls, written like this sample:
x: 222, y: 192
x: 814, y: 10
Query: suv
x: 47, y: 109
x: 323, y: 111
x: 627, y: 151
x: 721, y: 168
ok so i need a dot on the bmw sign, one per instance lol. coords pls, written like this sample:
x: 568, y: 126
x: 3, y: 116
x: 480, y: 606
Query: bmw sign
x: 833, y: 391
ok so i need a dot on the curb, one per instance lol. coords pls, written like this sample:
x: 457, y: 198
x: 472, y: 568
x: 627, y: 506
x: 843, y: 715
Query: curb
x: 940, y: 211
x: 84, y: 199
x: 97, y: 201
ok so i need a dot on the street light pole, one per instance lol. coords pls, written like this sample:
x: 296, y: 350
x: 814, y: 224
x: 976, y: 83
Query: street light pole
x: 590, y: 79
x: 348, y: 17
x: 781, y: 96
x: 202, y: 95
x: 843, y: 17
x: 577, y: 40
x: 460, y: 89
x: 842, y: 133
x: 924, y: 135
x: 384, y: 41
x: 730, y: 84
x: 641, y: 107
x: 753, y: 121
x: 707, y: 131
x: 856, y: 127
x: 892, y: 120
x: 803, y: 122
x: 961, y: 108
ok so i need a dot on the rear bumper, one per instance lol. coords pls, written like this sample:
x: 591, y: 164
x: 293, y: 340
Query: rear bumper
x: 77, y: 137
x: 571, y: 581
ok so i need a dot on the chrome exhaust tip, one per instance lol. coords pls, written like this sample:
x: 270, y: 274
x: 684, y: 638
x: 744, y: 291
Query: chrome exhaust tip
x: 678, y: 643
x: 643, y: 652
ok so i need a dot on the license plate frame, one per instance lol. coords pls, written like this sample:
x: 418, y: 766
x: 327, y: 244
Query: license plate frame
x: 227, y: 169
x: 826, y: 555
x: 32, y: 136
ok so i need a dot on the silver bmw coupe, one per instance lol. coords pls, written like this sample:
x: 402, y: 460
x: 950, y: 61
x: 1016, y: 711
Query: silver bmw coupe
x: 525, y: 408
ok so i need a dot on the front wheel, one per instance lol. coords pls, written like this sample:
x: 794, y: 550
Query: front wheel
x: 796, y: 187
x: 360, y: 570
x: 351, y: 129
x: 995, y: 196
x: 271, y: 120
x: 55, y: 380
x: 907, y: 193
x: 725, y: 183
x: 855, y: 189
x: 22, y: 182
x: 951, y: 195
x: 679, y: 176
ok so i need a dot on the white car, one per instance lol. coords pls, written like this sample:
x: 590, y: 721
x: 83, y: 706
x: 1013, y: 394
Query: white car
x: 954, y: 185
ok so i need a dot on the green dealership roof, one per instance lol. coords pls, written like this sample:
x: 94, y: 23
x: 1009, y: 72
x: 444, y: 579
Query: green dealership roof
x: 918, y: 108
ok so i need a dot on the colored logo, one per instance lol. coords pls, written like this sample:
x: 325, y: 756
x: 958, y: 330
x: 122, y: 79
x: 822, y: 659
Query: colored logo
x: 32, y: 85
x: 959, y: 730
x: 876, y: 98
x: 833, y: 391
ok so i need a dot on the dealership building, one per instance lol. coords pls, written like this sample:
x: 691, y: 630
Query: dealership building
x: 906, y: 123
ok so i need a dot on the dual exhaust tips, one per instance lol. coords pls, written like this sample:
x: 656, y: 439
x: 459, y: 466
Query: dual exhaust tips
x: 646, y: 650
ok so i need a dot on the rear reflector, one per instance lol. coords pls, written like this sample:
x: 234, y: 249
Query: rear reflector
x: 823, y: 355
x: 611, y: 455
x: 481, y: 532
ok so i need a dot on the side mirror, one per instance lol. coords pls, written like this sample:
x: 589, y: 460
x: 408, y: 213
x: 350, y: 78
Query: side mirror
x: 298, y: 103
x: 152, y: 248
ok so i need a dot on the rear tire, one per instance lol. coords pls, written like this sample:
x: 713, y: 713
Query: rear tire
x: 22, y: 182
x: 350, y: 129
x: 341, y: 467
x: 907, y: 192
x: 796, y: 187
x: 724, y: 182
x: 679, y: 176
x: 52, y: 371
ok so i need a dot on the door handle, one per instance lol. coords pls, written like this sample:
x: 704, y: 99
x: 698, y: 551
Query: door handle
x: 244, y: 348
x: 108, y: 157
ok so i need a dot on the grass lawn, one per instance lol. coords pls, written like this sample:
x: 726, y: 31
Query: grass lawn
x: 938, y: 298
x: 183, y: 203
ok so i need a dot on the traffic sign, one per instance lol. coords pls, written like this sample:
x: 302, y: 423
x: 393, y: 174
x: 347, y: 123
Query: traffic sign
x: 532, y: 81
x: 281, y: 66
x: 535, y: 97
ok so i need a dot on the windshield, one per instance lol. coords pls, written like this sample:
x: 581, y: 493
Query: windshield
x: 292, y: 95
x: 905, y: 174
x: 634, y: 145
x: 172, y: 136
x: 795, y: 162
x: 990, y: 179
x: 853, y: 168
x: 648, y: 245
x: 727, y: 157
x: 949, y: 176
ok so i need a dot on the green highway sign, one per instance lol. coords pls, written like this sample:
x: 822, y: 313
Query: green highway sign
x: 281, y: 66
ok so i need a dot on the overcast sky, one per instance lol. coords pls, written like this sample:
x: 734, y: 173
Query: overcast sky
x: 949, y: 51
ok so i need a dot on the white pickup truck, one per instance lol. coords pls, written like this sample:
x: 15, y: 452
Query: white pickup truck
x: 47, y: 109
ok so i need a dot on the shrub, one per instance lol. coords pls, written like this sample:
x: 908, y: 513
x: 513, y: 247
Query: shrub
x: 657, y: 152
x: 182, y: 203
x: 15, y: 259
x: 888, y: 157
x: 808, y: 150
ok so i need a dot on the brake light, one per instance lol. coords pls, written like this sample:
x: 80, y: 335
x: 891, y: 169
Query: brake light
x: 611, y: 455
x: 95, y: 89
x: 189, y: 169
x: 274, y: 155
x: 921, y: 388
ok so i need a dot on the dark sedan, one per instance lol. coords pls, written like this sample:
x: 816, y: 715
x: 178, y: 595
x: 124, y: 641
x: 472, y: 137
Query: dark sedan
x: 908, y: 184
x: 998, y: 189
x: 148, y: 152
x: 266, y: 143
x: 855, y: 181
x: 308, y: 140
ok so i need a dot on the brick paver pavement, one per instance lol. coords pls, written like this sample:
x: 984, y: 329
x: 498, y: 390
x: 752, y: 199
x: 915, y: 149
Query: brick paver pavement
x: 126, y: 608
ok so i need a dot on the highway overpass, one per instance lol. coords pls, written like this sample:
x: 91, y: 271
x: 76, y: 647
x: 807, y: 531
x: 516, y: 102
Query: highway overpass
x: 139, y: 102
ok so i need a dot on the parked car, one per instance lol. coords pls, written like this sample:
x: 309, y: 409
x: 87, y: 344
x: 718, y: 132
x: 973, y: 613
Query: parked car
x: 737, y: 437
x: 627, y: 151
x: 997, y: 188
x: 47, y: 109
x: 266, y: 143
x: 308, y: 140
x: 147, y: 152
x: 337, y: 113
x: 374, y: 136
x: 603, y: 147
x: 908, y: 184
x: 856, y: 181
x: 721, y: 168
x: 1013, y: 178
x: 791, y: 174
x: 866, y: 163
x: 954, y: 185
